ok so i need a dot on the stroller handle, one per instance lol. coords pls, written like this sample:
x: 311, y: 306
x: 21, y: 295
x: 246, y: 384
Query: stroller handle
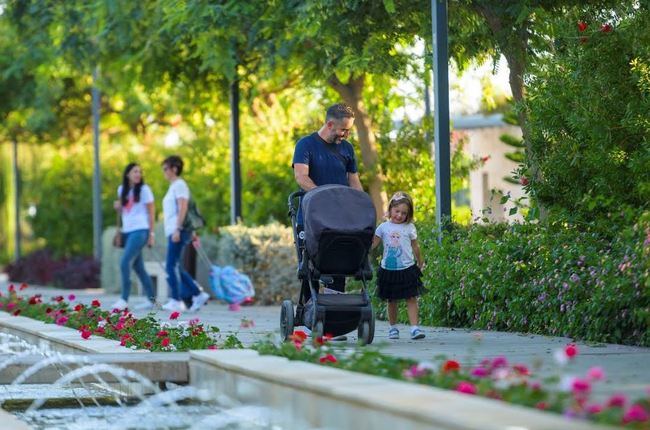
x: 293, y: 196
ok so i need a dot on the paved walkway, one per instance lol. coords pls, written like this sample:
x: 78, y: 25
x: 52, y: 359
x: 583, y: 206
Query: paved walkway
x: 627, y: 368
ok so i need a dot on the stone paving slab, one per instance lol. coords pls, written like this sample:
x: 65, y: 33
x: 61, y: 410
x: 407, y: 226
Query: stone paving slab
x: 627, y: 367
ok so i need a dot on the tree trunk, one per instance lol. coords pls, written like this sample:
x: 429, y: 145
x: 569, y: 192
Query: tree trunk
x: 514, y: 46
x: 351, y: 92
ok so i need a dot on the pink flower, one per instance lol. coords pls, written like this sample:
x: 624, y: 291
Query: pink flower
x: 571, y: 350
x: 616, y: 401
x: 415, y: 371
x: 85, y: 333
x: 62, y: 320
x: 596, y: 373
x: 71, y: 297
x: 212, y: 346
x: 500, y: 361
x: 466, y: 387
x: 10, y: 306
x: 636, y: 413
x: 580, y: 386
x: 328, y: 358
x: 594, y: 409
x: 165, y: 342
x: 541, y: 405
x: 480, y: 372
x: 174, y: 315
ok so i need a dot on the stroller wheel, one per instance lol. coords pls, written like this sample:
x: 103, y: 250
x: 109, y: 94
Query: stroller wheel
x: 366, y: 330
x: 286, y: 320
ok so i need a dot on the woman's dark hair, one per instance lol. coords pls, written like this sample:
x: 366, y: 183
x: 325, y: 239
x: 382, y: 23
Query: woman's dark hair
x: 125, y: 185
x: 174, y: 161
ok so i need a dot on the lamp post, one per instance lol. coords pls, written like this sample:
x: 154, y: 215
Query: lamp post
x: 441, y: 112
x: 97, y: 189
x: 235, y: 173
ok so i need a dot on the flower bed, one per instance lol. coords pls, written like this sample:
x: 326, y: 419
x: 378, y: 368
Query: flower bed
x: 138, y: 333
x: 495, y: 378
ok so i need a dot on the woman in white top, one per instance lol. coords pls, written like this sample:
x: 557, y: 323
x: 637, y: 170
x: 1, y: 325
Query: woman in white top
x: 175, y: 205
x: 136, y: 206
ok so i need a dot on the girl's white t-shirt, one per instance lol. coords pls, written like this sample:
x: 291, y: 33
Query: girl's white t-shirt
x: 134, y: 214
x: 398, y: 252
x: 177, y: 190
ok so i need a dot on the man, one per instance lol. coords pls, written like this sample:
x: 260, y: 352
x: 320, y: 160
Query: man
x: 325, y: 157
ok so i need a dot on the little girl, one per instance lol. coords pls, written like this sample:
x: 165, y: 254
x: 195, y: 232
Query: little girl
x: 398, y: 276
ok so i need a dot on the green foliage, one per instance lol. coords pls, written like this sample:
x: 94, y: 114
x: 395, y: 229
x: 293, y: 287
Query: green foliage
x: 559, y: 280
x: 408, y: 165
x: 588, y: 107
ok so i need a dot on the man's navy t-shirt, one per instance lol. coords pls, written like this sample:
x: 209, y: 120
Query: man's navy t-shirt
x: 329, y: 163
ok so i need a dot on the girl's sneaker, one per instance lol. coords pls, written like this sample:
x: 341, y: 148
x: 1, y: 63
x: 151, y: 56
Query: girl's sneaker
x: 174, y: 305
x: 147, y: 305
x: 393, y: 333
x: 120, y: 305
x: 416, y: 334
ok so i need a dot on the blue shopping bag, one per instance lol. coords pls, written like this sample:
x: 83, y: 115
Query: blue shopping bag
x: 230, y: 285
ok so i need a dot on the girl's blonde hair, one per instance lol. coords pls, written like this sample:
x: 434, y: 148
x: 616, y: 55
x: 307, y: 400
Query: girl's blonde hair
x: 397, y: 199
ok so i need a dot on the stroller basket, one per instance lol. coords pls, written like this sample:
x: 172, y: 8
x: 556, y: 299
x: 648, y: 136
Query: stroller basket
x: 342, y: 254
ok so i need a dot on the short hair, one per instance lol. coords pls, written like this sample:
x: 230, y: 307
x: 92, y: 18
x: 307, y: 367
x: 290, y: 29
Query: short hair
x: 338, y: 112
x: 399, y: 198
x: 174, y: 161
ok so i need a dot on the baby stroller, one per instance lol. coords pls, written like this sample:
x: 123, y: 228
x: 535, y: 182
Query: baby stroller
x: 339, y: 224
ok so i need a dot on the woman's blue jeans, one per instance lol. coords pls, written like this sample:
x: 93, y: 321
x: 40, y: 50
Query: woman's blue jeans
x: 134, y: 241
x: 186, y: 288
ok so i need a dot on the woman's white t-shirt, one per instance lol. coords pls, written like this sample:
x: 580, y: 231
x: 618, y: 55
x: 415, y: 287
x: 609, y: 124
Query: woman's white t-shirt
x: 177, y: 190
x: 398, y: 251
x: 134, y: 214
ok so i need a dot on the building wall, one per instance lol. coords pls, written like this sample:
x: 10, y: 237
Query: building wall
x: 483, y: 142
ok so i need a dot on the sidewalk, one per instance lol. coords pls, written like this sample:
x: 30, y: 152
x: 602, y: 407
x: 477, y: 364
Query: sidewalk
x: 627, y: 368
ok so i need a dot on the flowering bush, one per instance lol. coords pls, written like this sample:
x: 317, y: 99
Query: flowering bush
x: 559, y: 279
x: 136, y: 333
x: 42, y: 267
x: 495, y: 378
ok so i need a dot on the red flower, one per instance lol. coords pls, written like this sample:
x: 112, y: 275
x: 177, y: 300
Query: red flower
x: 541, y: 405
x: 61, y: 320
x: 616, y: 401
x: 165, y: 342
x: 174, y: 315
x: 100, y: 330
x: 12, y: 289
x: 485, y: 159
x: 450, y: 366
x: 95, y: 303
x: 212, y: 346
x: 521, y: 369
x: 636, y: 412
x: 523, y: 181
x: 466, y: 387
x: 571, y: 350
x: 79, y: 307
x: 299, y: 335
x: 17, y: 312
x: 328, y: 358
x: 58, y: 299
x: 606, y: 28
x: 148, y: 345
x: 583, y: 40
x: 85, y: 333
x: 10, y: 306
x: 582, y: 26
x: 48, y: 310
x: 162, y: 333
x: 35, y: 299
x: 23, y: 286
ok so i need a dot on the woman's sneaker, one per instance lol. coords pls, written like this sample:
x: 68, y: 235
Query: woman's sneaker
x: 393, y: 333
x: 120, y: 305
x: 416, y: 334
x: 147, y: 305
x: 198, y: 301
x: 174, y: 305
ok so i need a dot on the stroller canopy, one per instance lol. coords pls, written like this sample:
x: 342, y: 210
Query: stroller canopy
x: 336, y: 208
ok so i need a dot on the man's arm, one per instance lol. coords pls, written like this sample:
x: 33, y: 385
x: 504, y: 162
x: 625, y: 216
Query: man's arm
x: 301, y: 173
x: 354, y: 181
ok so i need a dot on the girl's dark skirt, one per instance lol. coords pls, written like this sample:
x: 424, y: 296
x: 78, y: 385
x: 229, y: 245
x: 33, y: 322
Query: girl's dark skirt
x: 399, y: 284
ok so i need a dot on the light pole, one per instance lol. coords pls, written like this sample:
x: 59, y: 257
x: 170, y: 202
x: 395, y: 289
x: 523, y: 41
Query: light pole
x: 235, y: 173
x: 441, y: 112
x: 97, y: 188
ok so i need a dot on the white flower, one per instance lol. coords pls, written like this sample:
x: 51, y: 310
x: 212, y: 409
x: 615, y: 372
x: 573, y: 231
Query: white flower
x: 566, y: 383
x: 560, y: 357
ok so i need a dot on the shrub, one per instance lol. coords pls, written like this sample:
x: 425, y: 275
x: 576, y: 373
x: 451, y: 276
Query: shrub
x: 265, y: 253
x: 41, y: 267
x: 556, y: 280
